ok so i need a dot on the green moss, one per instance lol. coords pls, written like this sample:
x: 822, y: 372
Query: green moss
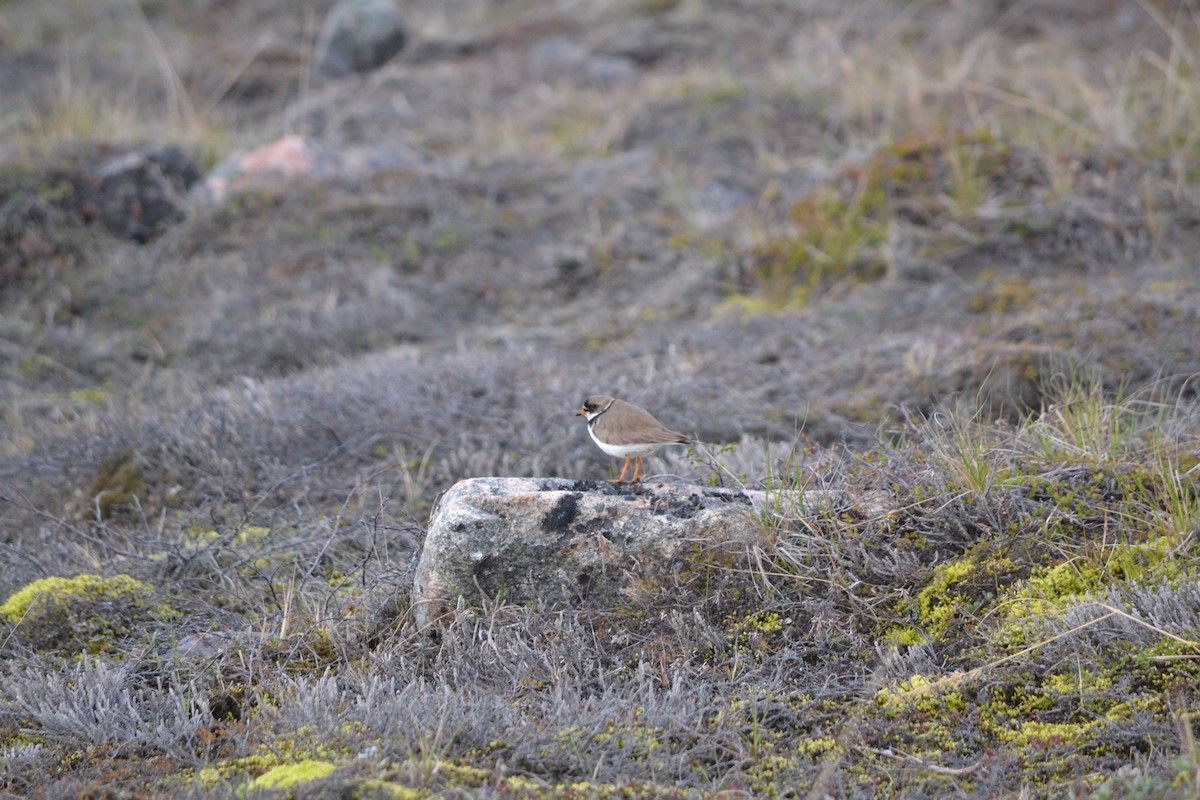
x: 755, y: 633
x: 842, y: 227
x: 1154, y: 557
x: 386, y: 789
x: 903, y: 636
x: 234, y: 768
x: 927, y: 716
x: 635, y: 741
x: 961, y: 588
x: 59, y: 592
x: 834, y: 232
x: 1055, y: 722
x: 818, y: 746
x: 1074, y: 683
x: 655, y: 6
x: 769, y: 775
x: 1050, y: 588
x: 287, y: 775
x: 86, y: 612
x: 919, y: 693
x: 1050, y: 734
x: 1009, y: 294
x: 248, y: 535
x: 462, y: 775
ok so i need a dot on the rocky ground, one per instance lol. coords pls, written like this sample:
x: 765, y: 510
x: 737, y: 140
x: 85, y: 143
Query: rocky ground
x: 254, y: 319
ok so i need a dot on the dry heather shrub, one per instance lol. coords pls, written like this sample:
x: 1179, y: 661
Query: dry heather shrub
x: 98, y: 702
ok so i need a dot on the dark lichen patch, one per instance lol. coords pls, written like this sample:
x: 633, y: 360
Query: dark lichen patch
x: 728, y: 496
x: 560, y: 518
x: 571, y: 486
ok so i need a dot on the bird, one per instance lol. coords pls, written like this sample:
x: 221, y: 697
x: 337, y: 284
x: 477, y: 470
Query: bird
x: 623, y: 429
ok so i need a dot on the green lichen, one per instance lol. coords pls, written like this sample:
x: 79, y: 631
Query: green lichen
x: 818, y: 746
x: 768, y: 775
x: 86, y: 612
x: 961, y: 588
x: 285, y: 776
x: 386, y: 789
x: 903, y: 636
x: 232, y: 769
x: 249, y: 535
x: 755, y: 632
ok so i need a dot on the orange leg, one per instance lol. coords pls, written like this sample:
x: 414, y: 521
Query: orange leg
x: 637, y: 467
x: 625, y: 468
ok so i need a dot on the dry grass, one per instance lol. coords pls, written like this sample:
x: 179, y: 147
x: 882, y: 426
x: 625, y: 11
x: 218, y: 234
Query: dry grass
x: 785, y: 668
x: 972, y: 226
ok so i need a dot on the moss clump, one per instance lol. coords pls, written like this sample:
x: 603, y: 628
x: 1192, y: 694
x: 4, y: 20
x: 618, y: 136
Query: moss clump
x: 1049, y: 588
x: 118, y: 484
x: 840, y: 229
x: 387, y: 790
x: 768, y: 776
x: 287, y: 775
x: 926, y: 718
x: 87, y: 612
x: 921, y: 694
x: 903, y: 636
x: 1003, y: 295
x: 836, y: 230
x: 249, y: 535
x: 818, y: 747
x: 234, y: 768
x: 754, y: 633
x: 962, y: 587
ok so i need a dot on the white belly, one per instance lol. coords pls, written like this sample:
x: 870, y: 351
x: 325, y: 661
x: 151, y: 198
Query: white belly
x: 623, y: 450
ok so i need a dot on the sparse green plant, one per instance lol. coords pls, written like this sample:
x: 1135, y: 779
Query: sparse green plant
x: 1083, y: 422
x: 967, y: 451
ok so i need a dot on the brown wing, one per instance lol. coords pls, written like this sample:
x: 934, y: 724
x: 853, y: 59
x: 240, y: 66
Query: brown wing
x: 625, y: 423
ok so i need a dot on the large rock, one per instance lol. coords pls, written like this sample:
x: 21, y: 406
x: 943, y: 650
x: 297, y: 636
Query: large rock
x: 570, y: 543
x: 359, y: 36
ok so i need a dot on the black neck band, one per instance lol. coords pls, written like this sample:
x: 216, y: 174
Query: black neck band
x: 592, y: 421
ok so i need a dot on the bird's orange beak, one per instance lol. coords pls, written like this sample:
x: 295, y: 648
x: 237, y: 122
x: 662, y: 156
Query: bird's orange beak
x: 580, y: 412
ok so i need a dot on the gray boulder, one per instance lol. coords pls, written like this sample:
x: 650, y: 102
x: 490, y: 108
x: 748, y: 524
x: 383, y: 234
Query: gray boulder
x: 359, y: 36
x: 570, y: 543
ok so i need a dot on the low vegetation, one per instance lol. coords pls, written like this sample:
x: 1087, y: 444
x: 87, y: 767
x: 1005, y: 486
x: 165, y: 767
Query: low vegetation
x: 990, y: 609
x: 938, y: 258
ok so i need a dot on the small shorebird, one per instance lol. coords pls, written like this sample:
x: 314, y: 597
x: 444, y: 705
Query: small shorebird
x: 623, y: 429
